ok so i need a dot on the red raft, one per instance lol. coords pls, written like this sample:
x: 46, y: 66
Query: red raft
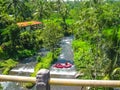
x: 62, y: 65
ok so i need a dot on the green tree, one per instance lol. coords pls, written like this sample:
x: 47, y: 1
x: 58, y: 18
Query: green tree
x: 7, y: 65
x: 42, y: 9
x: 63, y: 12
x: 10, y: 39
x: 94, y: 19
x: 17, y: 8
x: 52, y: 34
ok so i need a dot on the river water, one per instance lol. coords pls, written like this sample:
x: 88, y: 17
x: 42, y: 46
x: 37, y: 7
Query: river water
x: 27, y: 67
x: 65, y: 56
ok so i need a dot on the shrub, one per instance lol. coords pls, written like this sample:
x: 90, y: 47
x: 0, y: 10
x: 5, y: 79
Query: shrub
x: 39, y: 58
x: 28, y: 85
x: 1, y: 88
x: 7, y: 65
x: 37, y: 68
x: 2, y: 53
x: 82, y: 54
x: 25, y: 53
x: 6, y: 70
x: 7, y: 49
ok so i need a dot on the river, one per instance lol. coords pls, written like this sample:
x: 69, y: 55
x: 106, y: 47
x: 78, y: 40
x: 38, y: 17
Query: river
x: 27, y: 67
x: 65, y: 56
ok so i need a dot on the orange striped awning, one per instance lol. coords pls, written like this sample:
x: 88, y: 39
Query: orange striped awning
x: 28, y: 23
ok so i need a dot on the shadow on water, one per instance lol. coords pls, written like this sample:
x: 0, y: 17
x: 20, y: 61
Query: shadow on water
x: 64, y: 61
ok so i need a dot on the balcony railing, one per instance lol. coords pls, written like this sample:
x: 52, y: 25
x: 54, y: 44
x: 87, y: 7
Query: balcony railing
x: 43, y: 78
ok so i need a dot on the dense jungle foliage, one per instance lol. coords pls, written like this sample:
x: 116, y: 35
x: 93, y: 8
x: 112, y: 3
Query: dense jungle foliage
x: 96, y: 45
x: 95, y: 25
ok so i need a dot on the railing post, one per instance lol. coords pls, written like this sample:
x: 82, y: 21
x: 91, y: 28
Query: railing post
x: 42, y: 80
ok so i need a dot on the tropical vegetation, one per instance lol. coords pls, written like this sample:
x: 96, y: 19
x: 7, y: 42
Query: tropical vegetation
x: 95, y: 25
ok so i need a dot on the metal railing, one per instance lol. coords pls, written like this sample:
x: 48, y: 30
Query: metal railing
x: 41, y: 77
x: 17, y: 78
x: 67, y: 82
